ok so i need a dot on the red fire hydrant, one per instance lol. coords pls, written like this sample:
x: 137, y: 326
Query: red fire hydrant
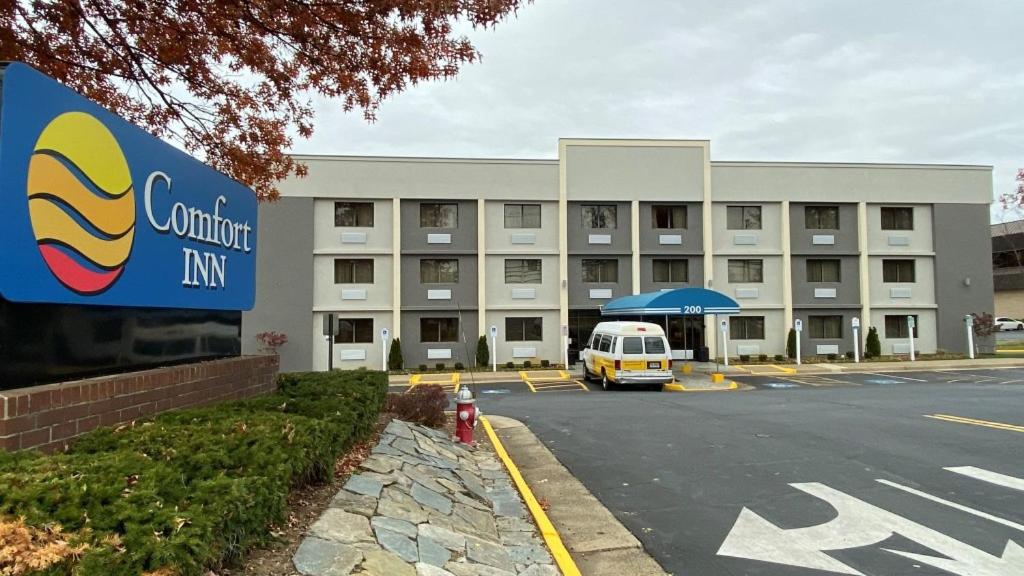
x: 467, y: 415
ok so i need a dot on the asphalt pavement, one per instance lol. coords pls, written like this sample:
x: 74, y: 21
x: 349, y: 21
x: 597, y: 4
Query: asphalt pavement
x: 877, y: 474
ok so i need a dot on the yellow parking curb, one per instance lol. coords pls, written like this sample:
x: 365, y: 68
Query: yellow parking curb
x: 677, y: 387
x: 547, y: 529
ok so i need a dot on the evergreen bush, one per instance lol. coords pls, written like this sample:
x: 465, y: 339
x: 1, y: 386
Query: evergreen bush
x: 192, y: 490
x: 873, y: 347
x: 395, y: 360
x: 791, y: 344
x: 483, y: 353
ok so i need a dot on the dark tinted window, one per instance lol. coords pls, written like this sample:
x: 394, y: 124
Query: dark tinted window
x: 632, y: 345
x: 654, y: 344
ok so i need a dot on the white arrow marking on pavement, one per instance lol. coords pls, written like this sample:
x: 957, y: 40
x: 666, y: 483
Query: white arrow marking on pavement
x: 987, y: 476
x: 951, y: 504
x: 858, y: 524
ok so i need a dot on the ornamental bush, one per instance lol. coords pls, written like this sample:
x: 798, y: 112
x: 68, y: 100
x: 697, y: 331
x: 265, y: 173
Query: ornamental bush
x: 483, y: 353
x: 791, y: 344
x: 424, y: 404
x: 872, y: 347
x: 192, y: 490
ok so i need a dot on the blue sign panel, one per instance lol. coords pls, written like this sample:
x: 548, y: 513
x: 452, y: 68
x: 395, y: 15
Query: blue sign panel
x: 94, y: 210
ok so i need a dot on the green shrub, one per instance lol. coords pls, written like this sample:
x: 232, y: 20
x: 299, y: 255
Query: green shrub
x: 780, y: 358
x: 545, y: 363
x: 744, y: 358
x: 849, y: 355
x: 460, y: 366
x: 423, y: 367
x: 791, y: 344
x: 439, y: 366
x: 762, y: 357
x: 873, y: 347
x: 510, y: 365
x: 483, y: 353
x: 194, y: 489
x: 395, y: 360
x: 832, y: 357
x: 527, y: 364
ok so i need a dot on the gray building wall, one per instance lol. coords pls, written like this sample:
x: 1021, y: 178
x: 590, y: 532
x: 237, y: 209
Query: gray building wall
x: 579, y: 237
x: 963, y: 245
x: 414, y: 352
x: 579, y: 291
x: 693, y: 234
x: 463, y: 237
x: 808, y: 345
x: 284, y: 281
x: 414, y: 293
x: 847, y: 290
x: 802, y: 239
x: 695, y: 269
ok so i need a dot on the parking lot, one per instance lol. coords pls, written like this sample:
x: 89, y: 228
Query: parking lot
x: 877, y: 473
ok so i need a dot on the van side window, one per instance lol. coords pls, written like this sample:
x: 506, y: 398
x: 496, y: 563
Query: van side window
x: 606, y: 343
x: 632, y: 345
x: 655, y: 344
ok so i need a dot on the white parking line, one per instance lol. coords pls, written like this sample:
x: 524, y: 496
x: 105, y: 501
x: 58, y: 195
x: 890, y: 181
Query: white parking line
x: 953, y: 505
x: 987, y: 476
x: 894, y: 376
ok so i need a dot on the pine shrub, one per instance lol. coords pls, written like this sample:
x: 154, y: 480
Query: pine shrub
x: 395, y: 360
x: 873, y: 347
x: 483, y: 353
x: 791, y: 344
x: 189, y: 491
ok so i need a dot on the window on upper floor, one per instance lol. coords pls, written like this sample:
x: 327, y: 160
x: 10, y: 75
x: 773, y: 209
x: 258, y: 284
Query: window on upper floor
x: 746, y: 271
x: 439, y: 215
x: 896, y: 326
x: 522, y: 215
x: 530, y: 329
x: 821, y: 217
x: 668, y: 217
x: 897, y: 218
x: 599, y: 216
x: 522, y: 271
x: 439, y: 329
x: 671, y: 270
x: 353, y: 214
x: 743, y: 217
x: 1008, y: 259
x: 897, y: 271
x: 353, y: 271
x: 825, y: 327
x: 823, y: 271
x: 439, y: 271
x: 604, y: 270
x: 354, y: 331
x: 746, y: 327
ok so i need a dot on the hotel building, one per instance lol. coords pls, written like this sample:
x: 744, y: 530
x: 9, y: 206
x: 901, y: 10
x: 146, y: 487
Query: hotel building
x: 438, y: 250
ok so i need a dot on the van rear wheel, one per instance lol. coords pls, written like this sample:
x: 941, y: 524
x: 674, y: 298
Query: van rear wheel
x: 606, y: 384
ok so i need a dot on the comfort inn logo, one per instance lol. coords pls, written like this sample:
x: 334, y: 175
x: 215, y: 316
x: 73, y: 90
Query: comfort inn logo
x: 81, y: 203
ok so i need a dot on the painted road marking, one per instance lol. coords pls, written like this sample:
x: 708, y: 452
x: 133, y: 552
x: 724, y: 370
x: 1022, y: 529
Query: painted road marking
x: 858, y: 524
x: 762, y: 369
x: 779, y: 385
x: 893, y: 376
x: 953, y: 505
x: 449, y: 382
x: 814, y: 380
x: 975, y: 422
x: 987, y: 476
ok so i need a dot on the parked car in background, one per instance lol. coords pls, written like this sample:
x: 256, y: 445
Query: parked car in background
x: 1009, y: 324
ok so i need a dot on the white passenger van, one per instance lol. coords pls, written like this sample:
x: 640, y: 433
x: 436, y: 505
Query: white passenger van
x: 628, y: 353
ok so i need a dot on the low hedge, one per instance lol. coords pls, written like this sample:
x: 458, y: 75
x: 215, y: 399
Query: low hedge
x: 194, y: 489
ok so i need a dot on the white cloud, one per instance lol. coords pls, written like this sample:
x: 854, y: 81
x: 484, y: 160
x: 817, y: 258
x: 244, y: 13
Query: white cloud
x: 912, y: 81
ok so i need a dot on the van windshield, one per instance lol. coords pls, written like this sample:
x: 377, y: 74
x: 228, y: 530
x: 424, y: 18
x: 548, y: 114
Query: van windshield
x: 632, y: 345
x: 655, y: 344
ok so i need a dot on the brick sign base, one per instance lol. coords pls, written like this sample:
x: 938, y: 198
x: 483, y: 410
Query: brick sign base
x: 48, y: 416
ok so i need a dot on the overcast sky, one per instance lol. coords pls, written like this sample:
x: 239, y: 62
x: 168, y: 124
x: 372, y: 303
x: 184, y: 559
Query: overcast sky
x: 797, y: 80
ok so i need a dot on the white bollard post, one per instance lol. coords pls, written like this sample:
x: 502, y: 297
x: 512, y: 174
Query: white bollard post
x: 799, y: 327
x: 969, y: 324
x: 725, y: 341
x: 910, y: 330
x: 384, y: 335
x: 856, y: 339
x: 494, y: 348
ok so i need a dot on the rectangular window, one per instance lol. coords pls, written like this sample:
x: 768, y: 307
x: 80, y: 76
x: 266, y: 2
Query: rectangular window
x: 896, y: 326
x: 606, y: 343
x: 353, y: 214
x: 825, y: 327
x: 746, y: 271
x: 743, y: 217
x: 599, y: 216
x: 823, y: 271
x: 439, y: 329
x: 353, y: 271
x: 632, y: 345
x: 673, y: 217
x: 439, y: 215
x: 522, y: 271
x: 601, y: 270
x: 897, y: 218
x: 654, y: 344
x: 354, y: 331
x: 821, y: 217
x: 897, y: 271
x: 522, y: 215
x: 671, y: 271
x: 436, y: 271
x: 746, y: 327
x: 524, y: 329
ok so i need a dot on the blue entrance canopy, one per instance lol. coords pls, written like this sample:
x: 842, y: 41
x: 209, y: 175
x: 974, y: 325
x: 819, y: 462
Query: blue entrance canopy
x: 681, y: 301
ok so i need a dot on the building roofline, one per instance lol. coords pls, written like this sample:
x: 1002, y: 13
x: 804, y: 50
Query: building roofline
x: 423, y: 159
x: 894, y: 165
